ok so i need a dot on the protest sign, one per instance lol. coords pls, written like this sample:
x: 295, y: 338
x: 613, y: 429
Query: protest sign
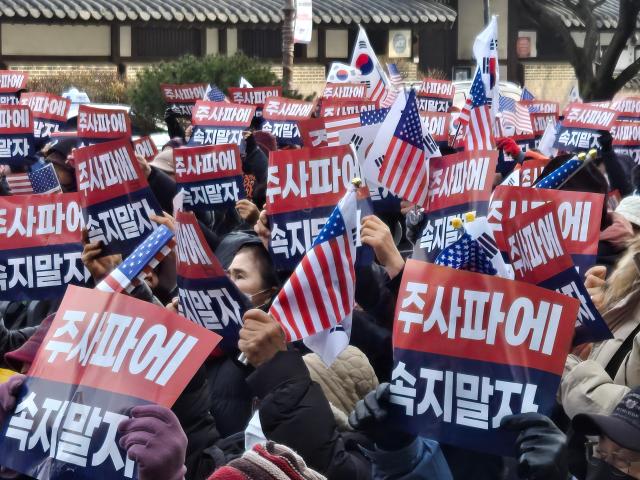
x: 145, y: 147
x: 11, y: 82
x: 542, y: 113
x: 97, y: 124
x: 102, y: 355
x: 470, y: 349
x: 435, y: 95
x: 626, y: 138
x: 210, y: 176
x: 303, y: 188
x: 458, y: 184
x: 115, y: 196
x: 437, y: 124
x: 538, y: 256
x: 281, y: 116
x: 182, y: 97
x: 40, y: 246
x: 580, y: 125
x: 579, y: 214
x: 257, y: 96
x: 207, y: 296
x: 313, y: 132
x: 345, y: 91
x: 344, y: 127
x: 542, y: 106
x: 215, y: 123
x: 16, y: 134
x: 628, y: 108
x: 336, y: 108
x: 530, y: 170
x: 49, y: 112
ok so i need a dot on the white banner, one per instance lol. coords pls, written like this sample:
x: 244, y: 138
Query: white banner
x: 303, y: 24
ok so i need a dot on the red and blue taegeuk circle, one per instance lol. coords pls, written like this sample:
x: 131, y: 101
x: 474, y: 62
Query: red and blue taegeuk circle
x: 364, y: 63
x: 342, y: 74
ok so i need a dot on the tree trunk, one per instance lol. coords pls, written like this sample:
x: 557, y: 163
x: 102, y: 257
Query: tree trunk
x: 287, y: 44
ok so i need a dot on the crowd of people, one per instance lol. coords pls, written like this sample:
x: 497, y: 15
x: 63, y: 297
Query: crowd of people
x: 285, y: 414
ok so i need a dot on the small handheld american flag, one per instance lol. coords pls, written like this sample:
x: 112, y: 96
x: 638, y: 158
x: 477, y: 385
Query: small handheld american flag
x: 526, y: 94
x: 214, y: 94
x: 43, y: 180
x: 564, y: 172
x: 479, y: 133
x: 142, y: 260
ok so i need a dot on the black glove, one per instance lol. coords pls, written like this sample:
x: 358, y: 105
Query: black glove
x: 170, y: 113
x: 605, y: 140
x: 370, y: 416
x: 541, y: 446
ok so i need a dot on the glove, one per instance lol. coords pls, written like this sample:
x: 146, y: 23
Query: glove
x: 170, y: 113
x: 510, y: 147
x: 541, y: 446
x: 154, y: 439
x: 605, y: 140
x: 8, y: 393
x: 370, y: 416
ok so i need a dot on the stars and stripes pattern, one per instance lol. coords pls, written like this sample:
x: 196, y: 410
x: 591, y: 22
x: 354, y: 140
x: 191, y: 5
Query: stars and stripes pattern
x: 214, y: 94
x: 335, y: 125
x: 43, y: 180
x: 394, y: 74
x: 515, y: 115
x: 320, y: 293
x: 480, y: 128
x: 405, y: 170
x: 526, y: 94
x: 560, y: 175
x: 392, y: 92
x: 466, y: 253
x: 140, y: 262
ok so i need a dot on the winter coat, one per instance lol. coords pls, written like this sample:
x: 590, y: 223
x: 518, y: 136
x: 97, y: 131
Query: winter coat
x: 348, y: 380
x: 421, y: 460
x: 596, y: 385
x: 163, y: 187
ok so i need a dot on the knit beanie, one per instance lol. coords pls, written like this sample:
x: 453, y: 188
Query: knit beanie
x: 269, y: 462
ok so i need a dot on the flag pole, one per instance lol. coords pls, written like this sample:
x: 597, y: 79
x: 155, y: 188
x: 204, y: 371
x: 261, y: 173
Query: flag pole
x: 287, y: 43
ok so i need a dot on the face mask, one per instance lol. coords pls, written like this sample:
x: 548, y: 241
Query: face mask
x: 601, y: 470
x: 263, y: 305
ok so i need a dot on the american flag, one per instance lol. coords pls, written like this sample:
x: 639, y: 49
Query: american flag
x: 394, y: 74
x: 479, y: 131
x: 214, y: 94
x: 526, y: 94
x: 466, y: 253
x: 560, y: 175
x: 320, y: 293
x: 335, y: 125
x: 43, y: 180
x: 515, y: 115
x: 141, y: 261
x: 405, y: 170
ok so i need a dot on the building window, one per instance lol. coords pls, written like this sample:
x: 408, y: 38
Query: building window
x: 337, y: 43
x: 260, y: 43
x: 160, y: 42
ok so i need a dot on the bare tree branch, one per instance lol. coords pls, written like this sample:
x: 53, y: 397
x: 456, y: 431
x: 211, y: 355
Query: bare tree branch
x: 626, y: 75
x: 627, y: 19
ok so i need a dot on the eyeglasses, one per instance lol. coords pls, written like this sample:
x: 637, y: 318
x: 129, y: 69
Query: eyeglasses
x: 615, y: 458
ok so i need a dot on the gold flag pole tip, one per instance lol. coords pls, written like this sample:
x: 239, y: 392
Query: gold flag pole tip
x: 356, y: 182
x: 582, y: 156
x: 456, y: 223
x: 469, y: 217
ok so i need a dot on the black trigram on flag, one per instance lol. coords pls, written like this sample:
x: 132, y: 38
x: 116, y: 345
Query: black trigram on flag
x: 493, y: 45
x: 362, y: 44
x: 378, y: 161
x: 356, y: 141
x: 488, y: 244
x: 430, y: 144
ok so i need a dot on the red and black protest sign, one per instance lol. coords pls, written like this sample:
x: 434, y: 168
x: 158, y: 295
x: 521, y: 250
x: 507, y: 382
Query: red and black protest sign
x: 49, y: 112
x: 538, y: 255
x: 579, y: 215
x: 207, y: 295
x: 11, y: 82
x: 216, y: 123
x: 102, y: 355
x: 337, y: 108
x: 580, y: 126
x: 435, y: 95
x: 16, y: 134
x: 470, y: 349
x: 458, y: 184
x: 256, y: 96
x: 145, y: 147
x: 530, y: 170
x: 183, y: 96
x: 40, y: 246
x: 437, y: 124
x: 97, y: 124
x: 116, y: 199
x: 626, y: 138
x: 313, y: 132
x: 628, y: 108
x: 345, y: 91
x: 281, y: 117
x: 303, y: 188
x: 210, y: 176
